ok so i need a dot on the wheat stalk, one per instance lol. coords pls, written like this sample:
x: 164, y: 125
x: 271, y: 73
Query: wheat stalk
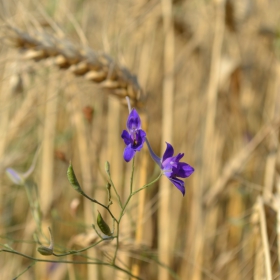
x: 81, y: 61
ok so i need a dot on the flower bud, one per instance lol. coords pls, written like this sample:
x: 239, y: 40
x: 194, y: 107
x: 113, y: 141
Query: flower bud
x: 107, y: 167
x: 45, y: 251
x: 103, y: 226
x: 72, y: 179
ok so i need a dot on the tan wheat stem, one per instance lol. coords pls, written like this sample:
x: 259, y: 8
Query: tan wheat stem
x: 265, y: 241
x: 167, y: 129
x: 209, y: 137
x: 85, y: 163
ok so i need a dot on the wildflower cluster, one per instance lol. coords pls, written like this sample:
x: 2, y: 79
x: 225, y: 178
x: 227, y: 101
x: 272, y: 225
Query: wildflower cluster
x: 170, y: 165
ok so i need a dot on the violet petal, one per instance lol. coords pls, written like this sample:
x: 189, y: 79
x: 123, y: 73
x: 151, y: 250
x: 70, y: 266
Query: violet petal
x: 183, y: 170
x: 133, y: 121
x: 178, y: 157
x: 179, y: 184
x: 168, y: 152
x: 126, y: 137
x: 128, y: 153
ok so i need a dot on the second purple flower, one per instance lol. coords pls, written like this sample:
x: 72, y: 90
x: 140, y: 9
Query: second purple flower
x: 171, y: 166
x: 134, y: 137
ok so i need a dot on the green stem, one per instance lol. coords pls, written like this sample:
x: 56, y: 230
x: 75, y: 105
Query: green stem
x: 102, y: 205
x: 32, y: 202
x: 33, y: 263
x: 131, y: 177
x: 72, y: 252
x: 73, y: 262
x: 112, y: 184
x: 122, y: 212
x: 117, y: 245
x: 147, y: 185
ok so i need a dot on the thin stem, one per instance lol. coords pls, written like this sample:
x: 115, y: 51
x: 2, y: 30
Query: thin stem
x: 26, y: 174
x: 126, y: 203
x: 117, y: 245
x: 73, y: 262
x: 147, y: 185
x: 72, y: 252
x: 107, y: 168
x: 30, y: 187
x: 102, y: 205
x: 132, y: 176
x: 112, y: 184
x: 33, y: 263
x: 122, y: 212
x: 131, y: 193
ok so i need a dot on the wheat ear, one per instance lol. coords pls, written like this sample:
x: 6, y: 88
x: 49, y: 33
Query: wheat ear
x: 81, y: 61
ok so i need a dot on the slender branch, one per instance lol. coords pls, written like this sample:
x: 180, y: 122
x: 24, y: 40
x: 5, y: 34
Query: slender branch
x: 73, y: 262
x: 147, y: 185
x: 107, y: 167
x: 117, y: 194
x: 131, y: 193
x: 131, y: 177
x: 33, y: 263
x: 102, y: 205
x: 72, y: 252
x: 117, y: 245
x: 122, y: 212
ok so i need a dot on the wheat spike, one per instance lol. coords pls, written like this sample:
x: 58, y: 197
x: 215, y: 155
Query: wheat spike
x: 81, y: 61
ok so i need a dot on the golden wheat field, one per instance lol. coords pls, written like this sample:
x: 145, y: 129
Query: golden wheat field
x: 203, y: 75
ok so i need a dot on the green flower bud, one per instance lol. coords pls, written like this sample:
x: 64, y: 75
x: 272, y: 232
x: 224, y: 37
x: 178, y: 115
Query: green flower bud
x: 8, y: 247
x: 107, y: 167
x: 72, y: 179
x: 45, y: 251
x: 103, y: 226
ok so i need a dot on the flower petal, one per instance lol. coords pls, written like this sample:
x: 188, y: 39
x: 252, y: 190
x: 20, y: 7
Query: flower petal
x: 178, y: 157
x: 126, y: 137
x: 142, y: 134
x: 179, y: 184
x: 14, y: 176
x: 133, y: 121
x: 168, y: 152
x: 183, y: 170
x: 128, y: 153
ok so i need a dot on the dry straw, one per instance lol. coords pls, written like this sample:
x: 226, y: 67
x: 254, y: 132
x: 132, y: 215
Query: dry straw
x: 231, y: 126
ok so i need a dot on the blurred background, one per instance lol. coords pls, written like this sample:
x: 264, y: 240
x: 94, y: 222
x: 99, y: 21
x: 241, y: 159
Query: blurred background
x: 203, y: 74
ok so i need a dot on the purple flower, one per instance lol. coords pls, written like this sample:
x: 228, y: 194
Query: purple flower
x: 172, y: 167
x: 134, y: 138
